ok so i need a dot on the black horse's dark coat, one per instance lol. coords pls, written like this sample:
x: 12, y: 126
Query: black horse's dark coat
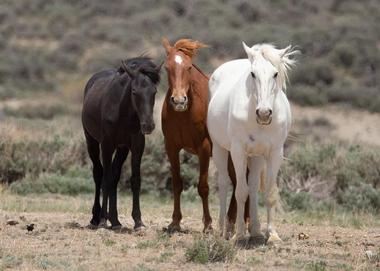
x: 117, y: 112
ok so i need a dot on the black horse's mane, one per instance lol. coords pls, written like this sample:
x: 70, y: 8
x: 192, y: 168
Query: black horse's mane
x: 144, y: 65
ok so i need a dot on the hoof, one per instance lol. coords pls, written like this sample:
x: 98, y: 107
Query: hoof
x: 116, y: 227
x: 229, y: 229
x: 273, y: 239
x: 257, y: 240
x: 208, y: 229
x: 94, y: 222
x: 173, y: 228
x: 102, y: 223
x: 92, y: 226
x: 241, y: 242
x: 139, y: 227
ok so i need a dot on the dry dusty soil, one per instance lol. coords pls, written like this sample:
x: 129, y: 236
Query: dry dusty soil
x: 60, y: 240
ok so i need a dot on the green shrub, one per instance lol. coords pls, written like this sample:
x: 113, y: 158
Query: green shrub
x: 317, y: 174
x: 362, y: 197
x: 210, y: 249
x: 36, y: 111
x: 52, y: 154
x: 75, y: 181
x: 344, y: 55
x: 306, y: 95
x: 297, y: 201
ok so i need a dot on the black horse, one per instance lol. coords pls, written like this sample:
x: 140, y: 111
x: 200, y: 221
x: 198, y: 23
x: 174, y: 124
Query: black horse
x: 117, y: 113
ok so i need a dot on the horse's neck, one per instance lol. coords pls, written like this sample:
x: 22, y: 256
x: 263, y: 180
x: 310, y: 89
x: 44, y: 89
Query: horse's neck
x: 126, y: 108
x: 197, y: 80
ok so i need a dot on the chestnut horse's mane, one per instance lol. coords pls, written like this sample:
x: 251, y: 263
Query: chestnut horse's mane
x: 198, y: 69
x: 189, y: 47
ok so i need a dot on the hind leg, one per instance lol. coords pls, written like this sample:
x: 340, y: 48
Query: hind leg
x: 231, y: 214
x: 97, y: 172
x: 220, y: 157
x: 137, y: 148
x: 203, y: 189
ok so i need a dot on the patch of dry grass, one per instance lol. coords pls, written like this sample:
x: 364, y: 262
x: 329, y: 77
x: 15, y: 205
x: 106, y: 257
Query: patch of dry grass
x: 60, y: 241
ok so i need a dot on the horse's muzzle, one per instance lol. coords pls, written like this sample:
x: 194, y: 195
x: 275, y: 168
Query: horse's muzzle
x: 147, y: 129
x: 264, y: 121
x: 179, y: 105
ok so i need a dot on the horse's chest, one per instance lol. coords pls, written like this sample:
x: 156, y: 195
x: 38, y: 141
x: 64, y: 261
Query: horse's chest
x: 257, y: 145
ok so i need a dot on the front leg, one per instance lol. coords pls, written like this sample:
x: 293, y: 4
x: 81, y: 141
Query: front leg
x: 137, y: 148
x: 177, y: 186
x: 256, y: 168
x: 271, y: 192
x: 239, y: 159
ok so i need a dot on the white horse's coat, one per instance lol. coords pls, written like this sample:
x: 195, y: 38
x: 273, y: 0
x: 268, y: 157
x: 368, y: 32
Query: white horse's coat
x: 249, y: 115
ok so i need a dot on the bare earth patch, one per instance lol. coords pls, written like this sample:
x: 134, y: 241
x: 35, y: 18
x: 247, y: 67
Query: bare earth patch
x: 352, y: 125
x: 61, y: 241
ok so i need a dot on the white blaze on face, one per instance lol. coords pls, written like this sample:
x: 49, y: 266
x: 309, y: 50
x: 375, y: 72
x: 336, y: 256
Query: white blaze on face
x: 178, y: 59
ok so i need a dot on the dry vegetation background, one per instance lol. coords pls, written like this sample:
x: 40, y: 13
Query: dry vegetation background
x: 330, y: 183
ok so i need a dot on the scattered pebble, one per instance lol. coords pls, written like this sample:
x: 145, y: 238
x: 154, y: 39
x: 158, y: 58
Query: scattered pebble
x: 303, y: 236
x: 30, y: 227
x: 368, y: 244
x: 12, y: 222
x: 73, y: 225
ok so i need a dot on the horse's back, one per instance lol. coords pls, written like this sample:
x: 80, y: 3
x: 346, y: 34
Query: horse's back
x: 97, y: 77
x: 227, y: 74
x: 93, y: 94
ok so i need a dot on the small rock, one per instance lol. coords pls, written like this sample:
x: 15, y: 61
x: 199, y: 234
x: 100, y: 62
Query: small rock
x: 30, y: 227
x: 73, y: 225
x: 368, y: 244
x: 303, y: 236
x: 12, y: 222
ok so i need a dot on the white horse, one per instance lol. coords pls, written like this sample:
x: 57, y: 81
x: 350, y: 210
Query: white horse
x: 249, y: 115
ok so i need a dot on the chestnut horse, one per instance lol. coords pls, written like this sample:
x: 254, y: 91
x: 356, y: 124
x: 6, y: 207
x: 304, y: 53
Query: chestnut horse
x: 184, y: 116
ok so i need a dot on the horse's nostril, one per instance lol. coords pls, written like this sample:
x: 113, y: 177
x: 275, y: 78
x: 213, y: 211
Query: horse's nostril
x: 257, y: 112
x: 184, y: 99
x: 270, y: 112
x: 172, y: 99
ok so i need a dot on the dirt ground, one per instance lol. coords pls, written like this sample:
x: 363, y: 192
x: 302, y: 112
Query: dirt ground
x: 60, y: 240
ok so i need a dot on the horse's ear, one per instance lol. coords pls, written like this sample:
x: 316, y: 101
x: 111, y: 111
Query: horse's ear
x: 246, y: 49
x: 283, y: 52
x: 131, y: 72
x: 166, y: 44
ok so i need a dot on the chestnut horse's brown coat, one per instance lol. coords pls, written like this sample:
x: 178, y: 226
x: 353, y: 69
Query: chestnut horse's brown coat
x: 184, y: 114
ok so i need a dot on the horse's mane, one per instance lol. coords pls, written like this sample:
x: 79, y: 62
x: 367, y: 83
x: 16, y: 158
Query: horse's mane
x: 200, y: 71
x: 280, y: 58
x: 189, y: 47
x: 144, y: 65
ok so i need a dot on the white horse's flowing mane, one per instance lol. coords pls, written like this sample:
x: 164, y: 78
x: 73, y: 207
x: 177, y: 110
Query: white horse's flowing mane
x: 280, y: 58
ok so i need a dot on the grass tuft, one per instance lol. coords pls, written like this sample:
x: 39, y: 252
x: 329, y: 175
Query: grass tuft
x: 210, y: 249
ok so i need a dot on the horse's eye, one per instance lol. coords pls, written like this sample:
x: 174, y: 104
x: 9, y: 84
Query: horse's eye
x: 275, y: 75
x: 253, y: 75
